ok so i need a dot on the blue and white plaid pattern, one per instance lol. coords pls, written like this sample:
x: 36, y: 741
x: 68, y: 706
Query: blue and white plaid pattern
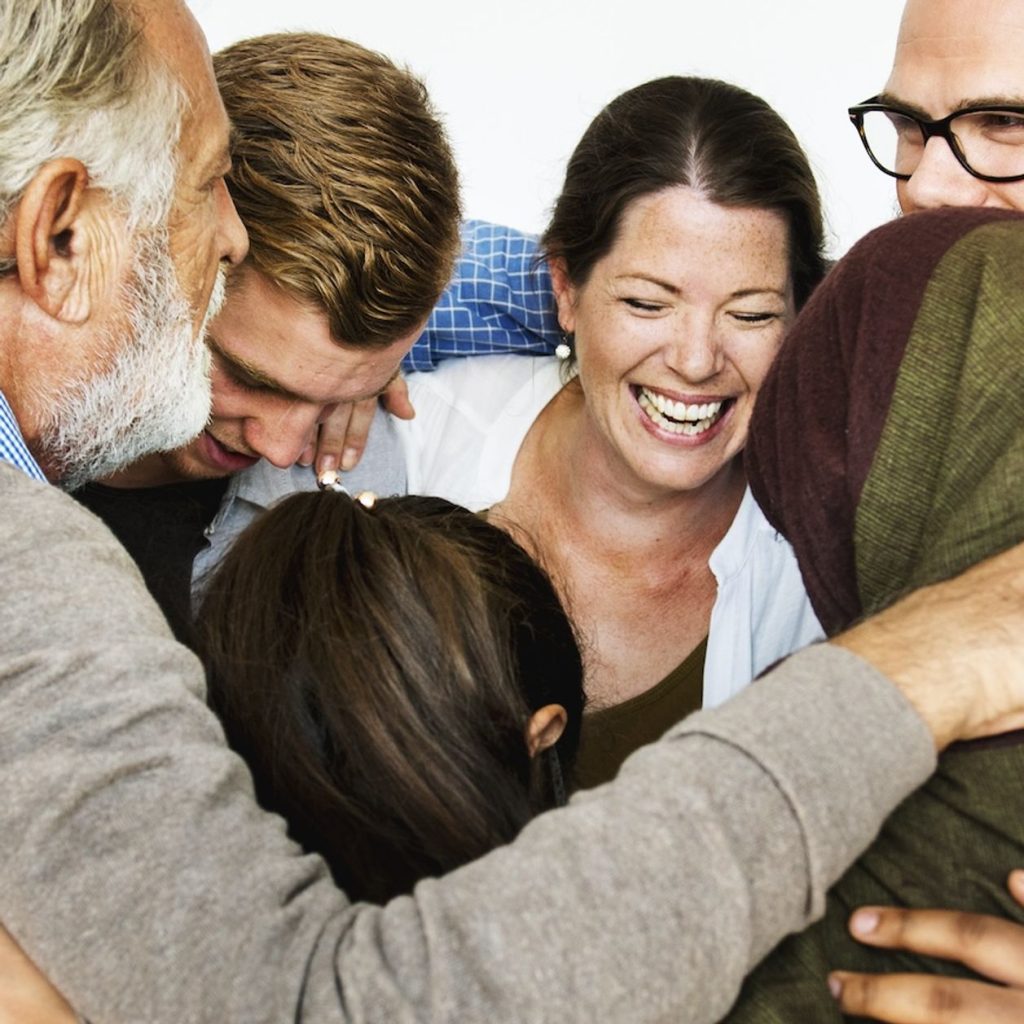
x: 12, y: 444
x: 500, y: 300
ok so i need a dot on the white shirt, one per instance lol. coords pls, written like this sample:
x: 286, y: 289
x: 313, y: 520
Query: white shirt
x: 472, y: 416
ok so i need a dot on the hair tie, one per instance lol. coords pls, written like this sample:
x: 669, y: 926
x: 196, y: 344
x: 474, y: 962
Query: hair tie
x: 330, y: 480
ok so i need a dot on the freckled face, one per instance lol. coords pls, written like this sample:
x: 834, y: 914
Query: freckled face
x: 953, y: 54
x: 277, y: 373
x: 675, y: 330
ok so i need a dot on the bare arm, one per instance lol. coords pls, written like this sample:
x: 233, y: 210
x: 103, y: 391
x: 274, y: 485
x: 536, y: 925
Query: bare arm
x: 951, y: 649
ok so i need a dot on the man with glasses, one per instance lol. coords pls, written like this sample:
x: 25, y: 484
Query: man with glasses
x: 949, y: 124
x: 949, y: 127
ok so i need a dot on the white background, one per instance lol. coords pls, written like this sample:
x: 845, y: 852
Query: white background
x: 517, y: 83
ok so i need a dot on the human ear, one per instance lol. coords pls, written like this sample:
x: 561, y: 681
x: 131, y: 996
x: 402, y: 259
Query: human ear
x: 565, y: 294
x: 46, y: 225
x: 545, y: 728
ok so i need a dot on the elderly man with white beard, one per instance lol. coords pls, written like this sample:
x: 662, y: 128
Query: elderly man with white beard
x: 111, y: 241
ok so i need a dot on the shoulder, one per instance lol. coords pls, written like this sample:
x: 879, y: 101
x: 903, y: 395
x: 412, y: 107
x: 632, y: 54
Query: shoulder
x: 485, y: 241
x: 60, y: 564
x: 487, y: 384
x: 36, y: 513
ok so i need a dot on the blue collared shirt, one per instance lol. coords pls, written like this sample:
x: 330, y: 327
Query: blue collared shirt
x: 12, y: 445
x: 500, y: 300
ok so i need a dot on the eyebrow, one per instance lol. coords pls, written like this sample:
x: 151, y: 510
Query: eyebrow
x: 974, y: 101
x: 243, y: 368
x: 221, y: 165
x: 742, y: 293
x: 254, y: 375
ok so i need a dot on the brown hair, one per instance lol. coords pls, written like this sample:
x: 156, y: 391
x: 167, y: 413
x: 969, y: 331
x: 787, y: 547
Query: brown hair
x: 377, y: 670
x: 711, y: 136
x: 344, y: 178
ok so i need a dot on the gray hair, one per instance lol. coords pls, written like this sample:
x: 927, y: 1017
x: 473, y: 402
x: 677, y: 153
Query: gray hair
x: 77, y: 80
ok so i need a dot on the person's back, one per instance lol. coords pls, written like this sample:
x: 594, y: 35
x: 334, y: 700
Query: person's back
x: 924, y: 439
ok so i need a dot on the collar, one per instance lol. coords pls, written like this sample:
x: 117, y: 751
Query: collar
x: 735, y: 549
x: 12, y: 444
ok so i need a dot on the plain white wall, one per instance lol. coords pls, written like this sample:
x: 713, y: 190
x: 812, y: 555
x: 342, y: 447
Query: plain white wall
x: 517, y: 83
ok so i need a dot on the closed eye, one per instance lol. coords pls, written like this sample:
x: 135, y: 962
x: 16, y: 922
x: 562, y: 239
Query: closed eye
x: 241, y: 380
x: 755, y: 318
x: 644, y: 306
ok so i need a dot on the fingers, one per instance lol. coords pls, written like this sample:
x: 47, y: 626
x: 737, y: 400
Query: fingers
x: 1016, y: 885
x: 926, y: 999
x: 342, y: 436
x: 396, y: 399
x: 989, y: 945
x: 307, y: 455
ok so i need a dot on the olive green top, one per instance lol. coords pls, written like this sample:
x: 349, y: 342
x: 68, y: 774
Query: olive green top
x: 945, y: 488
x: 610, y: 735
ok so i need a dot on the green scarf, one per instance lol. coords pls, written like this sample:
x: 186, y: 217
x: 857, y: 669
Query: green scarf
x: 944, y: 488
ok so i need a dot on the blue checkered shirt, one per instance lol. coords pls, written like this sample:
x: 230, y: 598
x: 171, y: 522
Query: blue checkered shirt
x: 500, y: 300
x: 12, y: 444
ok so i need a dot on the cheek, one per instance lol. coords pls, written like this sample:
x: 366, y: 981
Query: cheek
x: 756, y: 361
x: 906, y: 206
x: 229, y: 401
x: 1011, y: 195
x: 618, y: 344
x: 193, y: 250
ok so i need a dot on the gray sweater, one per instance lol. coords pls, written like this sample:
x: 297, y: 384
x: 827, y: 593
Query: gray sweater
x: 137, y: 870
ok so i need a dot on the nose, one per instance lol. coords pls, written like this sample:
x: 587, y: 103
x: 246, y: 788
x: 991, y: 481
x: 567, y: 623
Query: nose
x: 696, y: 354
x: 231, y: 234
x: 940, y: 180
x: 281, y: 439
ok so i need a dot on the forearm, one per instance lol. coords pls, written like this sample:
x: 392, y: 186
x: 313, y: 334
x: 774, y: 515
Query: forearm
x: 137, y: 871
x: 654, y: 894
x: 652, y: 898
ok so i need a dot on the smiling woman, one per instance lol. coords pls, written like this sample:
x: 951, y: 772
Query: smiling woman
x: 687, y: 234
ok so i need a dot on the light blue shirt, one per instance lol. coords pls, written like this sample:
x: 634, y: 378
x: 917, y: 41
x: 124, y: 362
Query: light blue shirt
x: 12, y: 445
x: 499, y: 300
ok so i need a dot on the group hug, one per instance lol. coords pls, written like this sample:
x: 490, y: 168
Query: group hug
x: 406, y: 618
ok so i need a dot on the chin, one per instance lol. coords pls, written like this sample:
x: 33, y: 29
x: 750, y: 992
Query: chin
x: 187, y: 464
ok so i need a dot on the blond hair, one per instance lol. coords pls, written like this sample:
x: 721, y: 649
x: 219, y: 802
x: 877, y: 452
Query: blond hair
x: 344, y: 178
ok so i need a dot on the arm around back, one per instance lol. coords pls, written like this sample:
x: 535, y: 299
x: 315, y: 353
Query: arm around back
x: 138, y: 872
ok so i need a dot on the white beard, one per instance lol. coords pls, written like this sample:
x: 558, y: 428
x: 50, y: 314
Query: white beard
x: 156, y: 394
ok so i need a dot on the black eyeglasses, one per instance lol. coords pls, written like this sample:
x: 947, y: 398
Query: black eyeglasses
x: 988, y: 141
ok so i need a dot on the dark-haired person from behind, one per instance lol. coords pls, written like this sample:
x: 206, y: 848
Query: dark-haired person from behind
x: 401, y: 678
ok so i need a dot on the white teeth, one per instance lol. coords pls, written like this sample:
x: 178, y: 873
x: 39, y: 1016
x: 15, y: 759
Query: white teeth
x: 678, y: 417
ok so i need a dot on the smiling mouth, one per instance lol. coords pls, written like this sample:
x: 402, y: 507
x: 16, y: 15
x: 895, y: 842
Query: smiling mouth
x: 678, y: 417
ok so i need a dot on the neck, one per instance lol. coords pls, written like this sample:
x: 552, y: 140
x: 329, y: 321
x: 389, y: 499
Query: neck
x: 595, y: 487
